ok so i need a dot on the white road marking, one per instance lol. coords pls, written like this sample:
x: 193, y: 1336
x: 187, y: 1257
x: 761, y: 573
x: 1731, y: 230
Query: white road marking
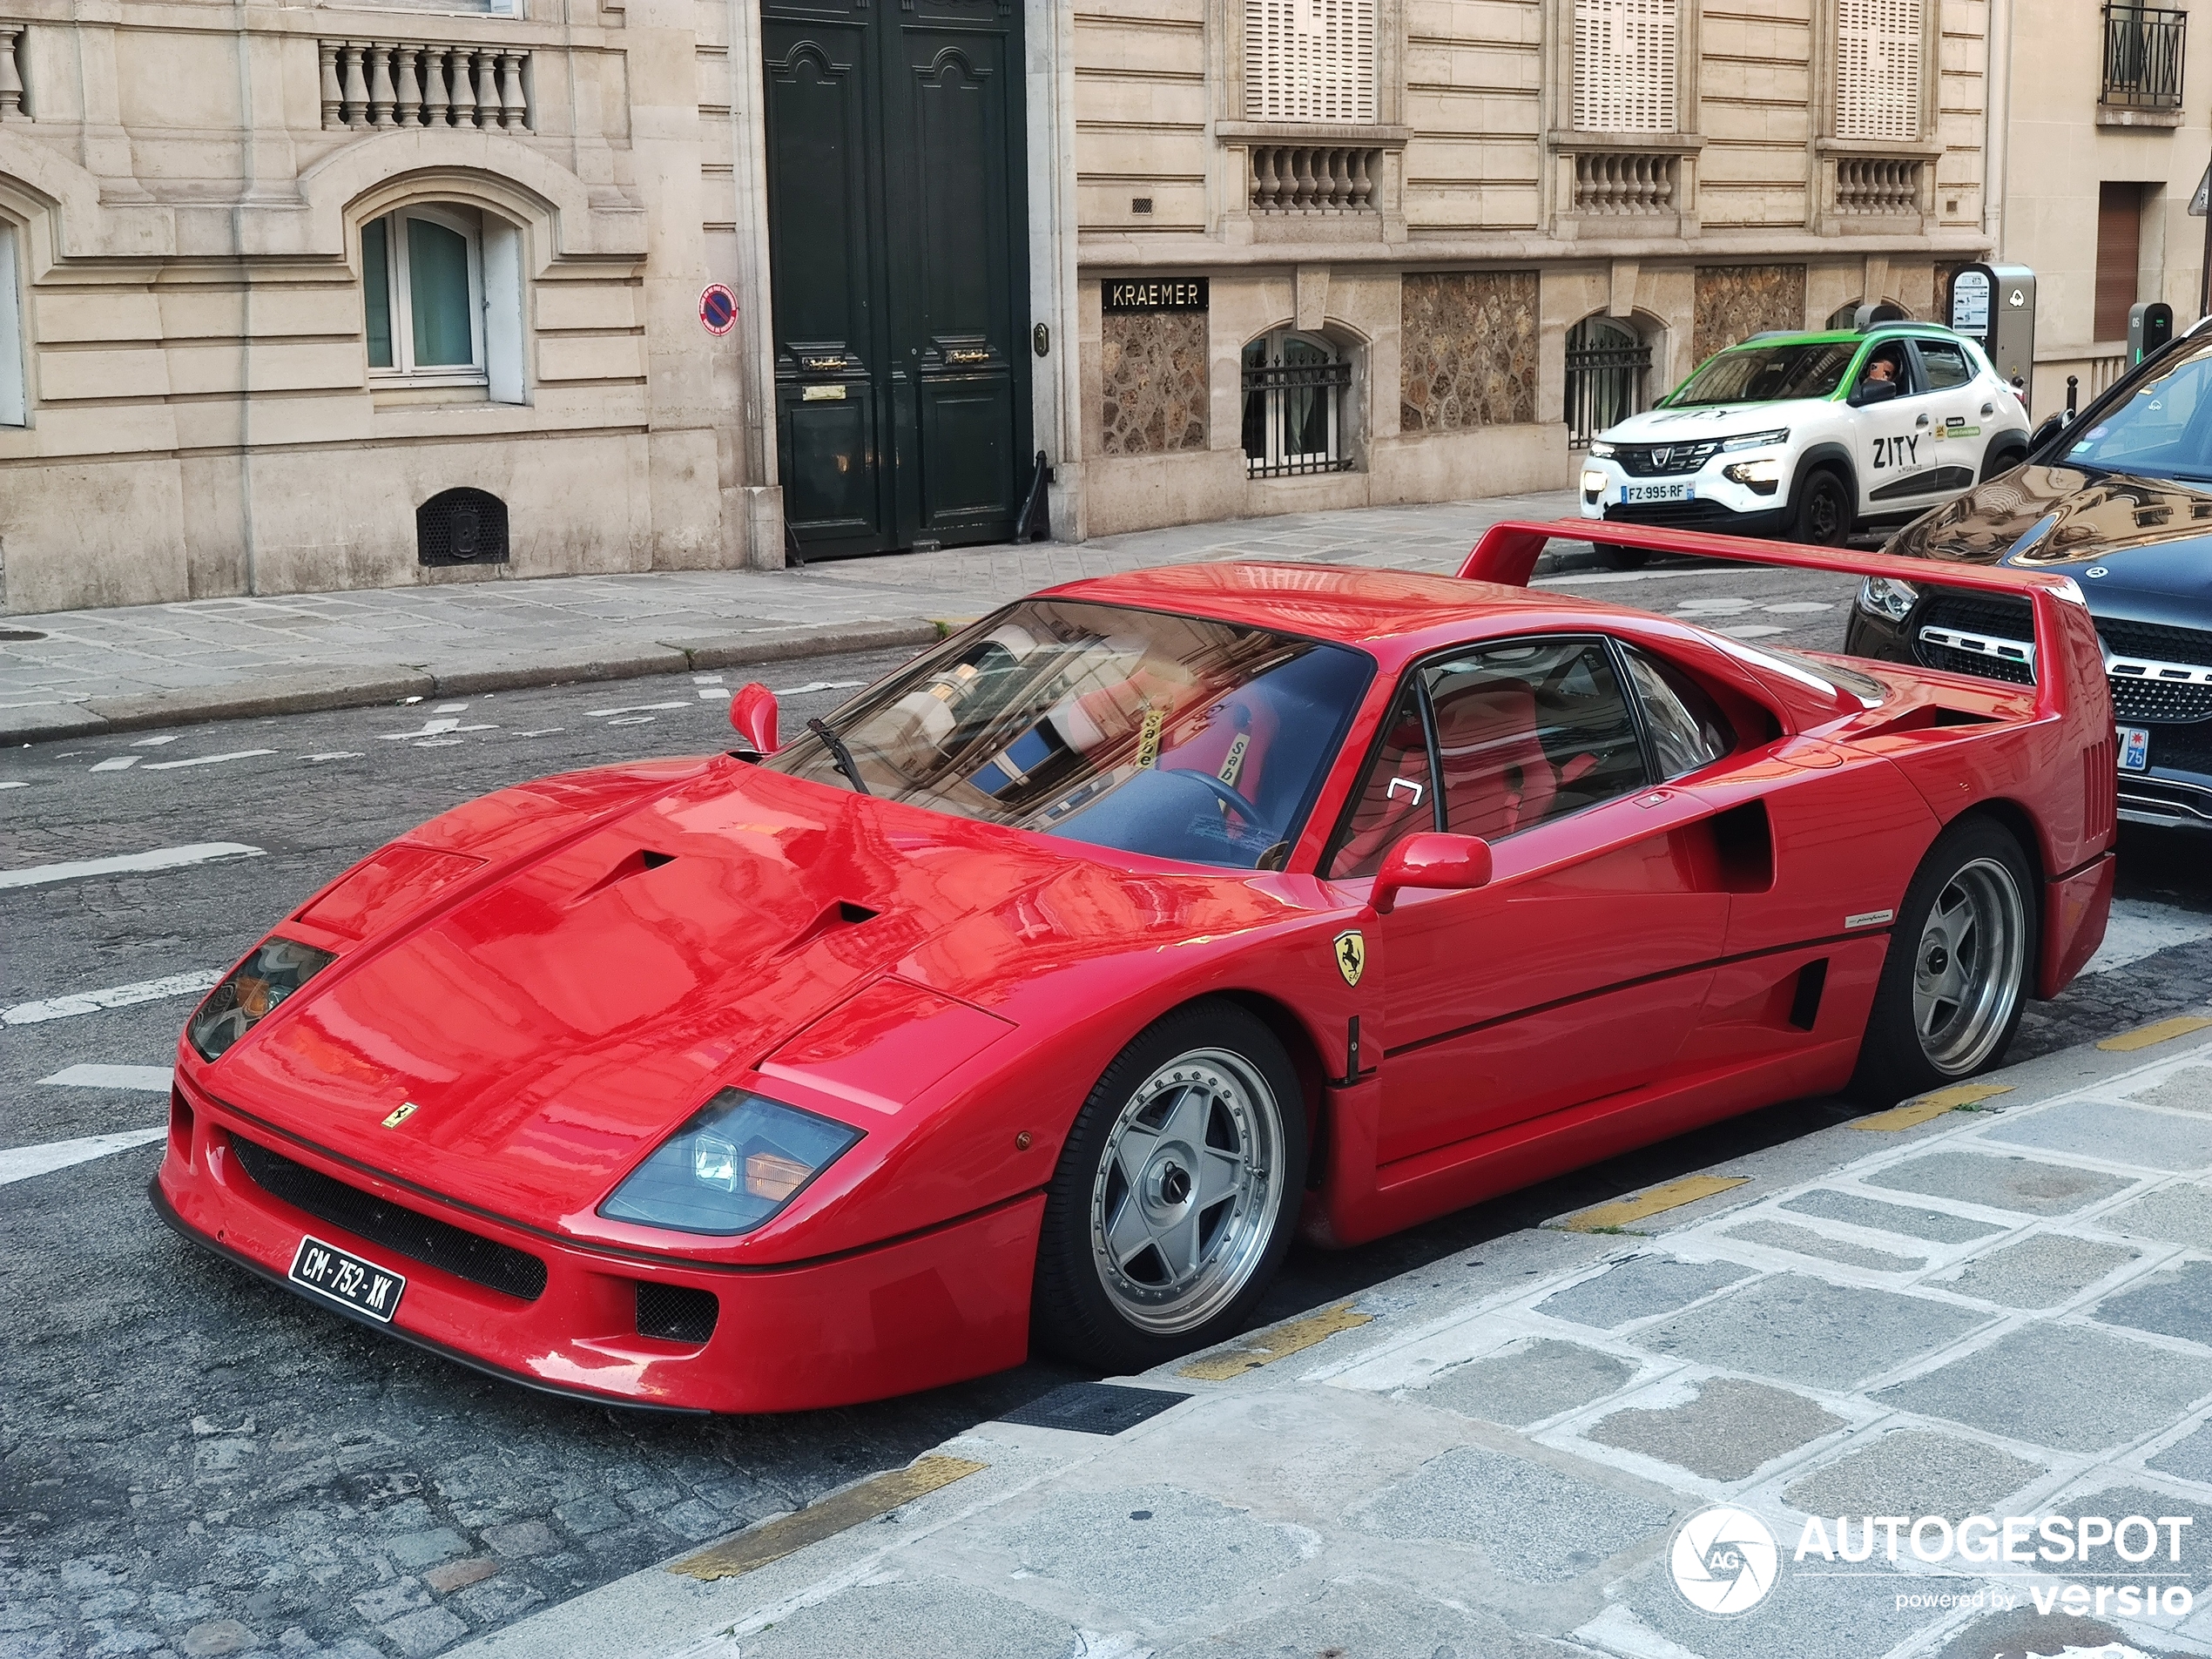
x: 21, y: 1162
x: 541, y: 731
x: 439, y: 743
x: 1594, y: 578
x: 435, y: 729
x: 14, y: 784
x: 449, y: 708
x: 115, y: 996
x: 1802, y: 605
x: 2141, y: 927
x: 633, y: 719
x: 154, y: 1080
x: 707, y: 679
x: 207, y: 760
x: 119, y: 763
x: 634, y: 708
x: 714, y: 694
x: 1711, y: 607
x: 1756, y: 630
x: 162, y: 857
x: 336, y: 754
x: 820, y: 685
x: 155, y: 743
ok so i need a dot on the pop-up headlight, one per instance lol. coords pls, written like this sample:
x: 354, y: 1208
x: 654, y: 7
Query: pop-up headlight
x: 736, y: 1162
x: 265, y: 979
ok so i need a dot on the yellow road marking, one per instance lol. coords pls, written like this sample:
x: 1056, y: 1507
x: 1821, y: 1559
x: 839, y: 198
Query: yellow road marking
x: 1914, y: 1113
x: 2143, y: 1037
x: 877, y: 1495
x: 1279, y: 1342
x: 1673, y: 1196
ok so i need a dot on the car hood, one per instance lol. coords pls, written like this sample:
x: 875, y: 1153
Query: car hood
x: 2139, y: 546
x: 1709, y: 421
x: 553, y: 1024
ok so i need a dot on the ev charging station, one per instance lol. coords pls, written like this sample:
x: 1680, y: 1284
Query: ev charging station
x: 1996, y: 305
x: 2150, y: 325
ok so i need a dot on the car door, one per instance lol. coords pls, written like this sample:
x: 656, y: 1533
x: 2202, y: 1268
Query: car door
x: 1578, y: 970
x: 1959, y: 429
x: 1895, y: 448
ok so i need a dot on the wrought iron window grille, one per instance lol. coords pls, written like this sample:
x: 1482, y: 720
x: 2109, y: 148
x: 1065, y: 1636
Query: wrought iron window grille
x: 1294, y: 419
x: 2142, y: 63
x: 1604, y: 387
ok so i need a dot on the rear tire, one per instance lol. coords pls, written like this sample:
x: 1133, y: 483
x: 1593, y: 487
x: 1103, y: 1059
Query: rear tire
x: 1957, y: 977
x: 2000, y: 461
x: 1824, y: 513
x: 1177, y: 1195
x: 1614, y: 558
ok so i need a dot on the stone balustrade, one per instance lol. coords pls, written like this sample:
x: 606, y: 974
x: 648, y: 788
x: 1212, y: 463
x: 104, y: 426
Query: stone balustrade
x: 12, y: 105
x: 1625, y: 181
x: 397, y: 84
x: 1313, y: 178
x: 1879, y: 185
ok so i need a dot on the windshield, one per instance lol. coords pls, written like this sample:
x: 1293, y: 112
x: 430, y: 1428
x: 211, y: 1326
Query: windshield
x: 1166, y: 735
x: 2162, y: 430
x: 1767, y: 374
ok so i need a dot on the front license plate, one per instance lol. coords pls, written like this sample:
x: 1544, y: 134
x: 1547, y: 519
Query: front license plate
x: 2134, y: 749
x: 362, y: 1286
x: 1658, y: 492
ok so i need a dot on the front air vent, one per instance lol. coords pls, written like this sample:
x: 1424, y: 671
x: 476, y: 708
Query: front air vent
x: 405, y: 1232
x: 461, y: 527
x: 677, y: 1312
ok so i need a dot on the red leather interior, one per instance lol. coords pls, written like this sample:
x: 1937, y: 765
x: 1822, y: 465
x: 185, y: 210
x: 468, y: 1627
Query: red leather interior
x: 1207, y: 750
x: 1497, y: 777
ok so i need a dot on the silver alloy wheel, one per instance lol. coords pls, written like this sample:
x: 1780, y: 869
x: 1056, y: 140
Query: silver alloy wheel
x: 1966, y: 968
x: 1183, y: 1206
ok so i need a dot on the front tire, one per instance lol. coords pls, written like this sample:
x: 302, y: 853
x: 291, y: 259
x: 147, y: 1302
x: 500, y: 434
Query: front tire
x: 1615, y: 558
x: 2000, y: 461
x: 1177, y: 1195
x: 1824, y: 512
x: 1956, y: 979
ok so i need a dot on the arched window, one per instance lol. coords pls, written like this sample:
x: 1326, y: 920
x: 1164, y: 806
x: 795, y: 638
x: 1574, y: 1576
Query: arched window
x: 1294, y: 406
x: 1607, y: 363
x: 1885, y: 311
x: 442, y: 294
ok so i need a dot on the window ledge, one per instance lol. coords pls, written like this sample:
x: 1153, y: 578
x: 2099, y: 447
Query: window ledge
x: 1885, y: 149
x: 1351, y: 135
x: 2121, y: 115
x: 1673, y: 144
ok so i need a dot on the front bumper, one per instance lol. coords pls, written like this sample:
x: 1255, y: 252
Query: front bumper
x: 1718, y: 502
x: 932, y: 1308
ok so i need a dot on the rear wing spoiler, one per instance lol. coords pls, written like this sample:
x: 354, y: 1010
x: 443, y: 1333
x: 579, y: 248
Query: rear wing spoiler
x: 2070, y: 684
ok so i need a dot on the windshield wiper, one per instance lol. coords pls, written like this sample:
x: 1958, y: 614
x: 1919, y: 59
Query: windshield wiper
x: 841, y: 755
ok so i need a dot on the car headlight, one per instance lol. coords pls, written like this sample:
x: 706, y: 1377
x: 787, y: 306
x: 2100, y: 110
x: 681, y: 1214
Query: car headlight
x: 1593, y: 483
x: 1756, y: 439
x: 737, y: 1162
x: 1883, y: 596
x: 1763, y: 475
x: 1600, y: 448
x: 274, y: 971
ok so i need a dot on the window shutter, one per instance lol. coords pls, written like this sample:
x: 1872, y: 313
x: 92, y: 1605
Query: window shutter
x: 1624, y: 65
x: 1310, y: 60
x: 1878, y: 69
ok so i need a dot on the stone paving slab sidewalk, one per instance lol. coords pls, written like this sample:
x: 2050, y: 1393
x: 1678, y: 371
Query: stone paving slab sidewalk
x: 2002, y: 1311
x: 227, y: 658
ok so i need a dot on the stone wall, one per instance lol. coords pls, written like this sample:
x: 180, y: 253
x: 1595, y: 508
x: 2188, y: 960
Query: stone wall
x: 1468, y: 345
x: 1736, y: 301
x: 1153, y: 369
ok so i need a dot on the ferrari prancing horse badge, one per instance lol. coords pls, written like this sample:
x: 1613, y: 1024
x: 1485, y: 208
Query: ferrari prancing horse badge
x: 1352, y: 956
x: 406, y: 1110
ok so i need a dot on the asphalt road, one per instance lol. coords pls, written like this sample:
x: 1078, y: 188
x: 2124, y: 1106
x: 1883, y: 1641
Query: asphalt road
x: 194, y: 1462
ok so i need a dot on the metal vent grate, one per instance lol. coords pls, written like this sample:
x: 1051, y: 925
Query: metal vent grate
x: 419, y: 1238
x: 1094, y: 1408
x: 677, y: 1312
x: 461, y: 527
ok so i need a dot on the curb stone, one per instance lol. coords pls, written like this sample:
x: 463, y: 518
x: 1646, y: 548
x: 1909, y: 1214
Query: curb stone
x: 350, y: 688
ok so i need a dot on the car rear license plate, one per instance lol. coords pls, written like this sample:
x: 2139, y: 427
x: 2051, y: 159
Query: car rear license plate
x: 2134, y: 749
x: 346, y: 1279
x: 1658, y: 492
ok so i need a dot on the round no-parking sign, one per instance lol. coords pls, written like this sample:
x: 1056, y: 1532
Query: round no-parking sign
x: 717, y: 309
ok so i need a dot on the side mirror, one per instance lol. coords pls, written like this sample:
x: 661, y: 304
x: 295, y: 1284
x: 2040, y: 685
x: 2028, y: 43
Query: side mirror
x: 2050, y: 426
x: 1457, y: 862
x: 752, y: 713
x: 1873, y: 392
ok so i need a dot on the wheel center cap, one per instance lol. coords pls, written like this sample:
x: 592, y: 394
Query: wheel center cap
x: 1175, y: 1183
x: 1939, y: 959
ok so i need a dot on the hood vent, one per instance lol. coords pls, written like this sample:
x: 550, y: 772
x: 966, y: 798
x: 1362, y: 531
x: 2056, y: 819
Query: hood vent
x: 842, y: 915
x: 629, y: 865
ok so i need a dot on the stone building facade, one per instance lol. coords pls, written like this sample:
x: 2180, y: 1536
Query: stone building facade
x: 317, y: 295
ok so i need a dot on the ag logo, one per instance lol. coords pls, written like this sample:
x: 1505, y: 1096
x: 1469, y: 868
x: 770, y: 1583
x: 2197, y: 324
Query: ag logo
x: 405, y: 1109
x: 1724, y: 1561
x: 1352, y: 956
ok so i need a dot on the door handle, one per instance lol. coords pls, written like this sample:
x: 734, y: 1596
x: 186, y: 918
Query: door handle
x: 1921, y: 420
x: 1989, y: 408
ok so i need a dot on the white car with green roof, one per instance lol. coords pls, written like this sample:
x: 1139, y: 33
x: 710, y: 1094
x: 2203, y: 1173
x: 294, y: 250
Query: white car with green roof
x: 1809, y: 438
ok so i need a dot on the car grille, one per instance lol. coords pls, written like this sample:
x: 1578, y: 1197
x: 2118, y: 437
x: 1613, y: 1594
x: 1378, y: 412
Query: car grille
x: 2183, y: 748
x: 2166, y: 674
x: 1663, y: 460
x: 417, y: 1237
x: 676, y: 1313
x: 1995, y: 618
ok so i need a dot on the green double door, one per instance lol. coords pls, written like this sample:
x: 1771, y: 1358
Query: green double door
x: 899, y: 252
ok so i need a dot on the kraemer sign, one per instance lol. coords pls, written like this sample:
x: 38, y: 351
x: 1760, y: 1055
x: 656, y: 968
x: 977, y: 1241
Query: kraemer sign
x: 1154, y: 293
